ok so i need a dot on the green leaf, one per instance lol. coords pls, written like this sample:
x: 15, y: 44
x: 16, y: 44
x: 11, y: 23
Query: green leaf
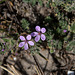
x: 2, y: 1
x: 73, y: 28
x: 25, y: 24
x: 6, y: 40
x: 60, y: 45
x: 51, y: 51
x: 71, y: 46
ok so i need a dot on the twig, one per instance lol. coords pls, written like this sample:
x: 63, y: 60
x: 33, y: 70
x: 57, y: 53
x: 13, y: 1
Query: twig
x: 37, y: 70
x: 6, y: 70
x: 11, y: 10
x: 38, y: 65
x: 14, y: 70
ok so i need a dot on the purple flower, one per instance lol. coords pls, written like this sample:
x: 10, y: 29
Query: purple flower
x: 2, y: 49
x: 26, y: 42
x: 4, y: 43
x: 64, y: 30
x: 39, y: 34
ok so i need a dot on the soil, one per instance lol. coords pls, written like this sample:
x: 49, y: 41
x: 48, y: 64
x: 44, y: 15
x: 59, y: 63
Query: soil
x: 24, y: 63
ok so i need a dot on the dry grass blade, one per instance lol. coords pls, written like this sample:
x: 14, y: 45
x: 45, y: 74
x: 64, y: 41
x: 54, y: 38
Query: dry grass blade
x: 7, y: 70
x: 37, y: 70
x: 36, y: 61
x: 11, y: 67
x: 14, y: 70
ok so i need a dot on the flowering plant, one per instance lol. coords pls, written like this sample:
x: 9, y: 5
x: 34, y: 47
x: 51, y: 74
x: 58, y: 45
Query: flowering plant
x: 39, y: 34
x: 26, y: 42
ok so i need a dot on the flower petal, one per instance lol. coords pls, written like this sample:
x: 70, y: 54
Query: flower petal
x: 37, y: 28
x: 2, y: 49
x: 31, y: 43
x: 21, y: 44
x: 37, y: 38
x: 64, y: 30
x: 34, y: 34
x: 43, y: 37
x: 26, y: 46
x: 43, y: 30
x: 22, y: 38
x: 28, y: 37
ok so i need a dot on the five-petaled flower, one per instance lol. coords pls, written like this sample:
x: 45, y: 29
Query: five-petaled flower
x: 39, y: 34
x: 26, y: 42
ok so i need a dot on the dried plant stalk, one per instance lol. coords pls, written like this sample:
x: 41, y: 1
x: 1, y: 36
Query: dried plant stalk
x: 14, y: 70
x: 11, y: 67
x: 7, y: 70
x: 37, y: 70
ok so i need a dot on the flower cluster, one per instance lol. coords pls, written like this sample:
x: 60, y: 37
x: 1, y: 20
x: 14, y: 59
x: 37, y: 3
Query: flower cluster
x: 39, y: 34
